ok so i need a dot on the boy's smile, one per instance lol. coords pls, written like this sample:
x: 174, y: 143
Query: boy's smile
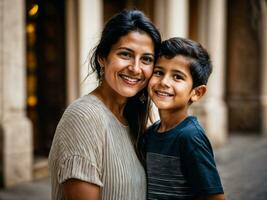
x: 162, y: 93
x: 170, y: 87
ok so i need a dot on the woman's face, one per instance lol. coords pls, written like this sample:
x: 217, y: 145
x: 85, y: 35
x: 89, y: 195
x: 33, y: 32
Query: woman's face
x: 128, y: 65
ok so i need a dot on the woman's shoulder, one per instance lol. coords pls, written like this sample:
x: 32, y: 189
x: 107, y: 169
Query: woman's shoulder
x: 82, y: 117
x: 86, y: 106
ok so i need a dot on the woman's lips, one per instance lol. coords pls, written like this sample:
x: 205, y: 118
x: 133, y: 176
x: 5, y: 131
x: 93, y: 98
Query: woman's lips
x: 129, y: 80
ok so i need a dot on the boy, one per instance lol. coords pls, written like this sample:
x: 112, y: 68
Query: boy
x: 179, y: 157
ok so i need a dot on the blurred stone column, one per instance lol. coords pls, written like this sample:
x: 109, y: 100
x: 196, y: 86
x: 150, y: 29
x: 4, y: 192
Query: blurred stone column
x: 72, y: 51
x: 90, y: 27
x: 171, y: 17
x: 16, y: 149
x: 212, y: 109
x: 264, y: 68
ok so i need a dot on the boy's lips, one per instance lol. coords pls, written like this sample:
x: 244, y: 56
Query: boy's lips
x: 163, y: 93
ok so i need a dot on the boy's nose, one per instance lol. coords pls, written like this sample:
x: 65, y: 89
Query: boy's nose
x: 165, y: 81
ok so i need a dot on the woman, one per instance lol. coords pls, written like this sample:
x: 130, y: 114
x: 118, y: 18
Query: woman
x: 93, y: 151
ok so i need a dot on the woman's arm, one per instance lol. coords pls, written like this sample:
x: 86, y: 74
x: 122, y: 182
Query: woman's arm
x: 75, y: 189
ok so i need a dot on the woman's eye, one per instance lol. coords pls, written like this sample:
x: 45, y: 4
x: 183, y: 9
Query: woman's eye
x: 125, y: 54
x: 147, y: 60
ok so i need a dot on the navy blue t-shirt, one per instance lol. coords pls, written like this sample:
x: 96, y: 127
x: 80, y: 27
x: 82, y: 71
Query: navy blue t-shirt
x: 180, y: 162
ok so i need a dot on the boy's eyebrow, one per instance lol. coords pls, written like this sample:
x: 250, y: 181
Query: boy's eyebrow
x: 157, y: 66
x: 179, y: 72
x: 173, y: 71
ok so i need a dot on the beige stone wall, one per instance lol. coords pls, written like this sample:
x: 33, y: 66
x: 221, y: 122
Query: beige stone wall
x: 90, y: 27
x: 15, y: 129
x: 212, y: 109
x: 264, y: 68
x: 243, y: 67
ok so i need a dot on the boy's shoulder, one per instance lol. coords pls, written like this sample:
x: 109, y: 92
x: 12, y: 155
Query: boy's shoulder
x: 192, y: 135
x: 190, y: 127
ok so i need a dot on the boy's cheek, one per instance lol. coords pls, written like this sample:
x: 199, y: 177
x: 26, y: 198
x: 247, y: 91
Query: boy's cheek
x: 150, y: 83
x: 149, y: 87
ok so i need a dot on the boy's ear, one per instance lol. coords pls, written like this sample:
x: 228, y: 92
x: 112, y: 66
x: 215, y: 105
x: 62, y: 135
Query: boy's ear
x: 198, y: 92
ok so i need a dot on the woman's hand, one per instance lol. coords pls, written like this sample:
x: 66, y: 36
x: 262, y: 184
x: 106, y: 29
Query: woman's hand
x: 75, y: 189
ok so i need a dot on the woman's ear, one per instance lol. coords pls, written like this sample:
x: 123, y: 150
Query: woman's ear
x: 100, y: 61
x: 198, y: 92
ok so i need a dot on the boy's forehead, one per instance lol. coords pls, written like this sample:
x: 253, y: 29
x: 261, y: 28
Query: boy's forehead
x: 174, y: 62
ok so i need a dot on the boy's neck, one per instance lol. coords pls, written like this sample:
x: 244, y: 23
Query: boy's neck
x: 170, y: 119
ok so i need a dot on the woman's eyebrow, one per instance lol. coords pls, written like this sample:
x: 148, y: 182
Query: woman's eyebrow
x: 125, y: 48
x: 149, y: 54
x: 128, y: 49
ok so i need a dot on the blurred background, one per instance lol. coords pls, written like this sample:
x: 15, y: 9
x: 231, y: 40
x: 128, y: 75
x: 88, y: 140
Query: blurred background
x: 44, y: 49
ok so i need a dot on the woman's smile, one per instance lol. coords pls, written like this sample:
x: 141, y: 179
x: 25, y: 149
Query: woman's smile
x: 129, y: 79
x: 128, y: 65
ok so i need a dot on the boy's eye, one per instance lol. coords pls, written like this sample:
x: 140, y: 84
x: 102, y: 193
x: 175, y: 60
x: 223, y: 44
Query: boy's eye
x: 157, y: 73
x: 147, y: 60
x: 178, y: 77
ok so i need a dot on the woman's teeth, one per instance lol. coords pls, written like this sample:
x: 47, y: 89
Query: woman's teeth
x: 129, y: 79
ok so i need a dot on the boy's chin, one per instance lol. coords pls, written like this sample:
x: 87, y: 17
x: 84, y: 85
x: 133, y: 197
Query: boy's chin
x: 161, y: 105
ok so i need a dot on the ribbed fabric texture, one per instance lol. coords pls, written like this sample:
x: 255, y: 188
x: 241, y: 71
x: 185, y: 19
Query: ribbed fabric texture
x: 90, y: 144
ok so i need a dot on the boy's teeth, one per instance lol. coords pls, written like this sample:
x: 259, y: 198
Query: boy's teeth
x: 163, y: 94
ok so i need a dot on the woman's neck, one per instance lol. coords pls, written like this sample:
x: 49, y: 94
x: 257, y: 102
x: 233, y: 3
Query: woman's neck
x: 113, y: 101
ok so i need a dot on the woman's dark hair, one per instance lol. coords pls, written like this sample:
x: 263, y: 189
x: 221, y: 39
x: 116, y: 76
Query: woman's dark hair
x: 136, y: 112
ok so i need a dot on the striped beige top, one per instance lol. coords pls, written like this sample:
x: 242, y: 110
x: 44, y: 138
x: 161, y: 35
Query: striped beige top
x: 90, y: 144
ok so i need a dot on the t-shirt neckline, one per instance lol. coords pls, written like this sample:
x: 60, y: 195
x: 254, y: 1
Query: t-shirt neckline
x: 173, y: 130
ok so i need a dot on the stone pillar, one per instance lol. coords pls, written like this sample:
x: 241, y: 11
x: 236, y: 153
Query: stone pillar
x: 90, y: 27
x: 172, y: 18
x: 177, y: 18
x: 244, y: 47
x: 212, y: 109
x: 15, y: 129
x: 264, y: 68
x: 72, y: 51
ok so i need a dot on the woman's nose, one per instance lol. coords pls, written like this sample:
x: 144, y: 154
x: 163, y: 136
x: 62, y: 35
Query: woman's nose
x: 135, y: 67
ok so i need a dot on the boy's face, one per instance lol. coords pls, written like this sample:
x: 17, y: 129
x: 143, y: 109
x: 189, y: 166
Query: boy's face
x: 170, y: 86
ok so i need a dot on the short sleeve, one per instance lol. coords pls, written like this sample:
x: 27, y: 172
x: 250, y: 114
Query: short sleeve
x: 77, y: 147
x: 199, y: 166
x: 79, y: 168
